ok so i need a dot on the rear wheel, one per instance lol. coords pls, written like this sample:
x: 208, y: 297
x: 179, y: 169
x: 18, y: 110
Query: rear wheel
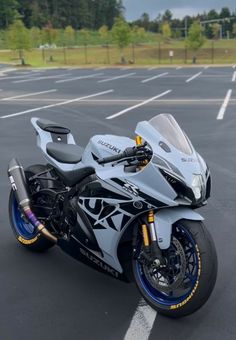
x: 24, y: 231
x: 187, y: 279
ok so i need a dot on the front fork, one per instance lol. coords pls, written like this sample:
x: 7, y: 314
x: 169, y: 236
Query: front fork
x: 151, y: 250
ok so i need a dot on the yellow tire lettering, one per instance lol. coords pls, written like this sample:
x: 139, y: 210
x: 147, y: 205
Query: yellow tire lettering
x: 24, y: 241
x: 181, y: 304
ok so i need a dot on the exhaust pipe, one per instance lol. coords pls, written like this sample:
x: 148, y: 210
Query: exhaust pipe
x: 18, y: 183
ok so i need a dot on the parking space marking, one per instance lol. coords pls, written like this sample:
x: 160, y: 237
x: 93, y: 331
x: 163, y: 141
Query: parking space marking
x: 29, y: 95
x: 179, y: 67
x: 152, y: 68
x: 193, y: 77
x: 155, y: 77
x: 78, y: 78
x: 41, y: 78
x: 234, y: 76
x: 138, y: 105
x: 118, y: 77
x: 141, y: 323
x: 223, y: 108
x: 57, y: 104
x: 4, y: 77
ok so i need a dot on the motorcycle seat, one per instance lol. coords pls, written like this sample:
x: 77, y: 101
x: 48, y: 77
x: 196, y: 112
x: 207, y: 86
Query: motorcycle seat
x: 70, y: 178
x: 65, y: 153
x: 49, y: 126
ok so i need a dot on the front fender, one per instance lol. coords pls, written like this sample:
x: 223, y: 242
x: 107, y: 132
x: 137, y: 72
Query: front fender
x: 165, y: 218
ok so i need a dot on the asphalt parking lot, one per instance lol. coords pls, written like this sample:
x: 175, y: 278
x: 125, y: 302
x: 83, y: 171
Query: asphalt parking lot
x: 51, y: 296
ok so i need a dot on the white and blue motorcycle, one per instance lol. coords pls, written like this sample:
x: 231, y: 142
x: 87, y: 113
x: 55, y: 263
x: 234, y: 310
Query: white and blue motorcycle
x: 124, y: 207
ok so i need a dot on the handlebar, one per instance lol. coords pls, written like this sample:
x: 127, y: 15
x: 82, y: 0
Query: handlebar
x: 129, y: 152
x: 138, y: 152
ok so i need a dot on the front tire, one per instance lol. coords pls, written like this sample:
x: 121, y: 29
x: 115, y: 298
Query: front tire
x: 185, y: 286
x: 23, y: 231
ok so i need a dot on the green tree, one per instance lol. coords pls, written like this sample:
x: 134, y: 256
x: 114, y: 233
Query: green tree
x: 234, y: 30
x: 166, y: 31
x: 69, y: 36
x: 8, y: 12
x: 85, y: 36
x: 195, y: 38
x: 105, y: 37
x: 104, y: 34
x: 18, y: 38
x: 35, y: 36
x: 167, y: 16
x: 145, y: 21
x: 216, y: 30
x: 121, y: 35
x: 49, y: 34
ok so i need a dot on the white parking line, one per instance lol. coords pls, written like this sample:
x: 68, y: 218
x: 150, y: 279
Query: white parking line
x: 41, y: 78
x: 138, y: 105
x: 152, y: 68
x: 155, y: 77
x: 118, y: 77
x: 206, y: 67
x: 193, y: 77
x: 17, y: 77
x: 234, y: 76
x: 57, y: 104
x: 224, y: 105
x: 77, y: 78
x: 179, y: 67
x: 142, y: 322
x: 29, y: 94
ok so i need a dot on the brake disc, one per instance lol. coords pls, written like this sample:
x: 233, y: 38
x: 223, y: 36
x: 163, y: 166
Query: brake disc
x: 169, y: 277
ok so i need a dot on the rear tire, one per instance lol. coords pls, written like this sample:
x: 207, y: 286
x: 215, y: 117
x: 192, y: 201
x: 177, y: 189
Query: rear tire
x: 201, y: 278
x: 23, y: 231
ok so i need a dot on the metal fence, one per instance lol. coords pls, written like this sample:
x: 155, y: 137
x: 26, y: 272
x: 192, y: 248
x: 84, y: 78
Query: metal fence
x: 145, y: 54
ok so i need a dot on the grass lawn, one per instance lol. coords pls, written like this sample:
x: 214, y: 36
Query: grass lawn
x: 221, y: 51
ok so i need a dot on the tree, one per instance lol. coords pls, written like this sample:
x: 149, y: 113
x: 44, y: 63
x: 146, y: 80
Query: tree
x: 121, y: 35
x: 105, y: 37
x: 167, y: 16
x: 166, y: 31
x: 69, y: 36
x: 18, y: 38
x: 49, y: 34
x: 234, y: 30
x: 195, y: 38
x: 145, y: 21
x: 85, y: 35
x: 216, y: 30
x: 35, y: 36
x: 8, y: 12
x: 104, y: 34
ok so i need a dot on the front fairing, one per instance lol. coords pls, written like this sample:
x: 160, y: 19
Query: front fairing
x: 173, y: 152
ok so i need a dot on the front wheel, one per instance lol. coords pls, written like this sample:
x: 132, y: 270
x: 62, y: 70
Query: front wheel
x: 186, y: 281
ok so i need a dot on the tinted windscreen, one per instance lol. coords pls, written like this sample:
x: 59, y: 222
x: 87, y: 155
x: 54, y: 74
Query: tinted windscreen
x: 167, y: 126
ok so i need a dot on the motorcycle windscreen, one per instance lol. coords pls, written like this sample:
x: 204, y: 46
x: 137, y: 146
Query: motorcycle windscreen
x: 163, y: 132
x: 168, y: 128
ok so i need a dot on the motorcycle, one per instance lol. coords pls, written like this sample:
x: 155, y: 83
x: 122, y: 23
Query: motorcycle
x: 125, y: 207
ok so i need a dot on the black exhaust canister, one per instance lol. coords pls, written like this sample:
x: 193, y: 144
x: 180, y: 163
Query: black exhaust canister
x: 18, y: 183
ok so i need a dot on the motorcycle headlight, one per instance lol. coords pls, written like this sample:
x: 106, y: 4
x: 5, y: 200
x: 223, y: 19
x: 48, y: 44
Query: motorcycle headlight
x: 197, y: 186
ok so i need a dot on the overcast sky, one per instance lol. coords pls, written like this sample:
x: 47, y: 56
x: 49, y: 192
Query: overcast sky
x: 180, y: 8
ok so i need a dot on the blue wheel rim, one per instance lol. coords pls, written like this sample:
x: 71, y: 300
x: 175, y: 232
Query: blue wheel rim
x: 23, y: 229
x: 162, y: 298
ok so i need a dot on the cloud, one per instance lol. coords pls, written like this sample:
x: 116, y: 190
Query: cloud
x: 180, y: 8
